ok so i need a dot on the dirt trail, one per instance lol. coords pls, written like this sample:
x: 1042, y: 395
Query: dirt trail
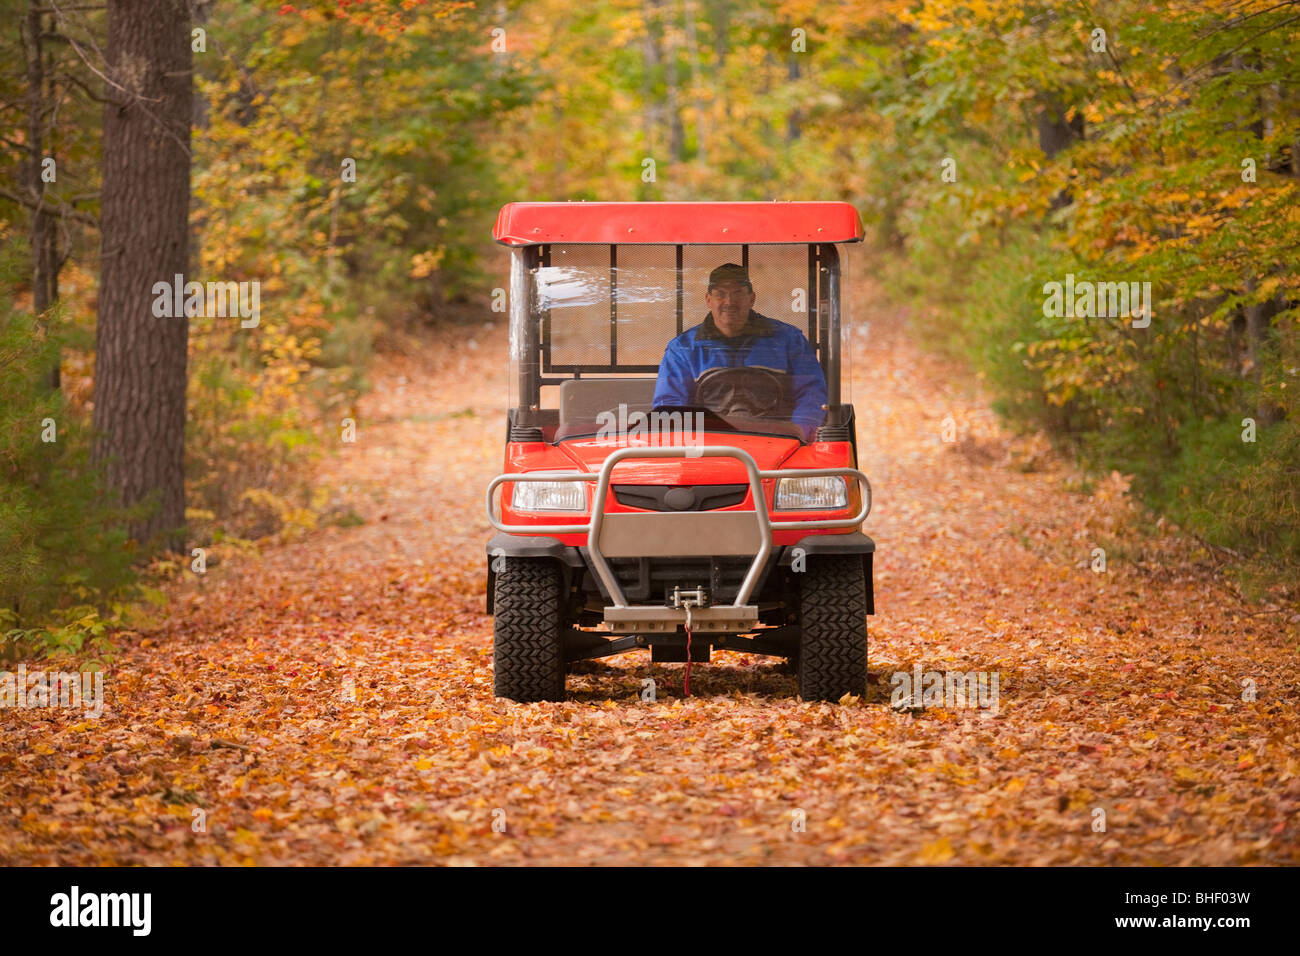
x: 331, y: 701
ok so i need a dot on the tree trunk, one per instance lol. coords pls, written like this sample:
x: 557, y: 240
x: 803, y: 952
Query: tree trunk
x: 1259, y: 315
x: 764, y: 121
x: 721, y: 33
x: 140, y: 358
x: 561, y: 167
x: 41, y: 235
x: 794, y: 122
x: 1259, y: 322
x: 676, y: 133
x: 650, y: 67
x: 721, y: 17
x: 1055, y: 132
x: 693, y: 58
x: 200, y: 120
x: 54, y: 257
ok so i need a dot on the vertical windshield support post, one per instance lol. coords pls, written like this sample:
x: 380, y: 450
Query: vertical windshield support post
x: 613, y: 305
x: 680, y: 292
x: 810, y: 297
x: 828, y: 308
x: 524, y: 324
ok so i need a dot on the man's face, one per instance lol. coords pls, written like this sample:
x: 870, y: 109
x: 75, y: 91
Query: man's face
x: 730, y: 303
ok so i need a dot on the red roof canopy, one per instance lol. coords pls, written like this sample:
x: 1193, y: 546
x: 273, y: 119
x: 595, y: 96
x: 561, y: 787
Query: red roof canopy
x: 610, y: 223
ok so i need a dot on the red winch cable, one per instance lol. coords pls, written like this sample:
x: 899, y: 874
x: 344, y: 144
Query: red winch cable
x: 686, y: 683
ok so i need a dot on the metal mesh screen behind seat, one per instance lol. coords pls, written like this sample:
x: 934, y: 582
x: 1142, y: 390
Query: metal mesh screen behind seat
x: 602, y: 317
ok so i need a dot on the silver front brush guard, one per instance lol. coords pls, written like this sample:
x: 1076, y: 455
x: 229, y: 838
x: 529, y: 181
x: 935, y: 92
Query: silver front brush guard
x: 660, y: 534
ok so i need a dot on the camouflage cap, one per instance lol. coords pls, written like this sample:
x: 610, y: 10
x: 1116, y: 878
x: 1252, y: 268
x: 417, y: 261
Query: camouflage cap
x: 730, y: 272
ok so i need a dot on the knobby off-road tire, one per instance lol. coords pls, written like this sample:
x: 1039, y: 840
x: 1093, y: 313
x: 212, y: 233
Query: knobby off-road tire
x: 832, y: 658
x: 527, y: 655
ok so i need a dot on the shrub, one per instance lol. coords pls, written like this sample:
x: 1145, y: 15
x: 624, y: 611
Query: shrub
x: 59, y: 545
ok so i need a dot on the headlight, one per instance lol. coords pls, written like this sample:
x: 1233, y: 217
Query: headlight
x: 549, y: 496
x: 811, y: 494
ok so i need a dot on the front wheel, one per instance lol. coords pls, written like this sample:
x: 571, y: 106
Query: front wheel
x: 527, y: 653
x: 832, y: 658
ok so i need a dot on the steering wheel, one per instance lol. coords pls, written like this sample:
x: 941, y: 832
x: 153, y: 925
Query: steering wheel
x: 744, y: 392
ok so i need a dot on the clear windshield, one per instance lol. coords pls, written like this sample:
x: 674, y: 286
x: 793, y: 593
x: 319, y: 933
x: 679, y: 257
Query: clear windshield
x: 605, y: 340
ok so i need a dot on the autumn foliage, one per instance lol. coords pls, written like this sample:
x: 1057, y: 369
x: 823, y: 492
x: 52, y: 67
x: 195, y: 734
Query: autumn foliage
x: 320, y: 689
x: 331, y: 702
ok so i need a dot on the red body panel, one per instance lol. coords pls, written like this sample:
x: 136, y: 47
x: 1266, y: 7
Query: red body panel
x: 588, y: 454
x: 607, y: 223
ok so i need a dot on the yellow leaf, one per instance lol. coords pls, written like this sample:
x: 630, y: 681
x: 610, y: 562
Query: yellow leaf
x: 940, y: 851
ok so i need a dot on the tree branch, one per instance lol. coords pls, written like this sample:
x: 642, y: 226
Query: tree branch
x: 55, y: 210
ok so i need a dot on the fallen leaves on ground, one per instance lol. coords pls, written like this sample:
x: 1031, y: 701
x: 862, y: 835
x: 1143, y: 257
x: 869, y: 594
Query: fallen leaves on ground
x: 330, y: 701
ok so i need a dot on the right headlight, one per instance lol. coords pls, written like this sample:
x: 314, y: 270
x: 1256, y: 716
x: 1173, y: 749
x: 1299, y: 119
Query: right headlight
x: 549, y: 496
x: 811, y: 494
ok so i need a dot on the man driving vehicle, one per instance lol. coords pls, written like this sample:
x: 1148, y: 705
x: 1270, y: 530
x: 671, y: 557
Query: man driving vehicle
x: 739, y: 363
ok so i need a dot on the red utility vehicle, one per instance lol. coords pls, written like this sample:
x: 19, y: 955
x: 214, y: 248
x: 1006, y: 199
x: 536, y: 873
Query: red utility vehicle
x: 723, y: 518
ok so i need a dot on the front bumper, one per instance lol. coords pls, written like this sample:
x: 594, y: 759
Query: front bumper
x: 650, y: 535
x: 575, y: 561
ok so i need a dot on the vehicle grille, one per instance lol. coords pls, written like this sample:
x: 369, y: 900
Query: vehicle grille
x: 671, y: 497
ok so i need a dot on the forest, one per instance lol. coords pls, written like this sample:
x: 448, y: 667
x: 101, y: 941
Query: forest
x: 349, y: 156
x: 247, y: 282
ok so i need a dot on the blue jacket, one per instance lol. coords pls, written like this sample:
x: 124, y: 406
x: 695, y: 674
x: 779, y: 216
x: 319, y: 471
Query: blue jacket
x: 763, y: 342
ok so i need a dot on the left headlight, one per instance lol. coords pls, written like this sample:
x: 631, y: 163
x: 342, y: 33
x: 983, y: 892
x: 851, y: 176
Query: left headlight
x: 811, y: 494
x: 549, y: 496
